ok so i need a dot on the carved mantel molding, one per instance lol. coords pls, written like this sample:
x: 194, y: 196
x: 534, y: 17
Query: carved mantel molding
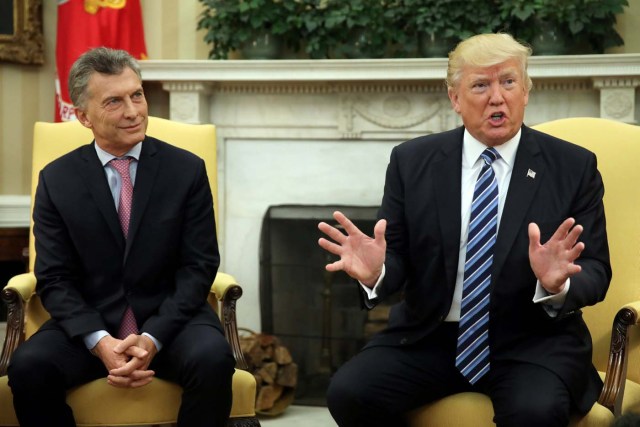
x: 191, y: 84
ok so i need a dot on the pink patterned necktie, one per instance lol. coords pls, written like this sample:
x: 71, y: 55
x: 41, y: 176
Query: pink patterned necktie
x: 128, y: 324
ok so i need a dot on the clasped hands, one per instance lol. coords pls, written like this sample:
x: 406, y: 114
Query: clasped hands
x: 362, y: 257
x: 127, y: 360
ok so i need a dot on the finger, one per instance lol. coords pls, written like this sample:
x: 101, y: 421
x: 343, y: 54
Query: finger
x: 573, y: 236
x: 135, y: 351
x: 332, y: 232
x: 118, y: 381
x: 574, y: 253
x: 574, y: 269
x: 346, y: 223
x: 141, y: 374
x: 125, y: 343
x: 127, y: 368
x: 140, y: 383
x: 330, y: 246
x: 335, y: 266
x: 563, y: 229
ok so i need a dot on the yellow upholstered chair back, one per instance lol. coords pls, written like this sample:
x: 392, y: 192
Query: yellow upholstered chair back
x: 617, y: 147
x: 52, y: 140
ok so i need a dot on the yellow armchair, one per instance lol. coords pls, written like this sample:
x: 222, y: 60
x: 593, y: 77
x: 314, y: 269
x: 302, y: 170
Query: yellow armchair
x: 617, y: 147
x: 96, y: 403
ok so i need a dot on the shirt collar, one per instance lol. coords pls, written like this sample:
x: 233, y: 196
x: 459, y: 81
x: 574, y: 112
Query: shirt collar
x: 106, y: 157
x: 472, y: 148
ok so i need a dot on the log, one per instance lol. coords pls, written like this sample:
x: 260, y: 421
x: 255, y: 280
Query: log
x: 287, y: 375
x: 267, y: 396
x: 281, y: 355
x: 272, y: 366
x: 268, y: 372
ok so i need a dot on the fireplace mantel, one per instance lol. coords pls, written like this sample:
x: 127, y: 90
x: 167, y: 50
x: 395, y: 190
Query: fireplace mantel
x: 191, y: 83
x: 417, y: 69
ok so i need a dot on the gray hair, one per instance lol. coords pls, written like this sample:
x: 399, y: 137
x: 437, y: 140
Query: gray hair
x: 101, y: 60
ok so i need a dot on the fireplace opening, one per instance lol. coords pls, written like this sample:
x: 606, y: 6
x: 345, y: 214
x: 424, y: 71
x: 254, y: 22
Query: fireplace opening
x: 314, y: 313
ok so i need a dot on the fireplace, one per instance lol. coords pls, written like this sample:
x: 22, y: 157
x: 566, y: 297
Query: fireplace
x: 315, y: 314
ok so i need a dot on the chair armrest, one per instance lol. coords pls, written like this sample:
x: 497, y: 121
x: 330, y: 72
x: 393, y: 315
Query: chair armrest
x: 615, y: 377
x: 221, y: 285
x: 227, y: 291
x: 15, y: 295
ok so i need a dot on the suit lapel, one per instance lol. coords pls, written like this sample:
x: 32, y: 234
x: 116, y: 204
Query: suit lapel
x: 522, y: 189
x: 93, y: 175
x: 148, y: 166
x: 447, y: 179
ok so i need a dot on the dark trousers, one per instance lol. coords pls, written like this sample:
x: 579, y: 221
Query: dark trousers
x: 48, y: 364
x: 379, y: 385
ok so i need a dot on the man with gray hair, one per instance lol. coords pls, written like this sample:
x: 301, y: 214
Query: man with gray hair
x: 126, y: 254
x: 479, y: 230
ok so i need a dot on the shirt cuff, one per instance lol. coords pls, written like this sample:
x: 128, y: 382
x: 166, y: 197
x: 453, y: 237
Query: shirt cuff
x: 372, y: 293
x: 552, y: 303
x: 92, y: 339
x: 155, y: 341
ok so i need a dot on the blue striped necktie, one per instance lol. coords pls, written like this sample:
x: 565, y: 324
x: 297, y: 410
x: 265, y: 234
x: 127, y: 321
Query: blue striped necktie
x: 472, y: 356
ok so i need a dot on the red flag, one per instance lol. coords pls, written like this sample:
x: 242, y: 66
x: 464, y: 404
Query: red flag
x: 85, y: 24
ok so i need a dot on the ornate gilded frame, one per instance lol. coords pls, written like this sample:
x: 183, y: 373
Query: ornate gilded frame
x: 26, y: 44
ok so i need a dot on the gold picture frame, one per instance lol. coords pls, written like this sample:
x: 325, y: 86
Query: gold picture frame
x: 22, y: 38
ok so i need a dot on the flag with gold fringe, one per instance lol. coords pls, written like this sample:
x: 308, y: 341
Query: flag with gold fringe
x: 85, y: 24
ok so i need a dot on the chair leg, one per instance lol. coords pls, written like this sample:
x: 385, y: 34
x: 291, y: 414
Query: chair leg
x: 243, y: 422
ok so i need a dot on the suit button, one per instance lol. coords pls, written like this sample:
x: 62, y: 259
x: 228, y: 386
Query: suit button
x: 403, y: 341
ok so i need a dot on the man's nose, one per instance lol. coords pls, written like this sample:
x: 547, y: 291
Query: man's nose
x: 495, y: 94
x: 129, y: 108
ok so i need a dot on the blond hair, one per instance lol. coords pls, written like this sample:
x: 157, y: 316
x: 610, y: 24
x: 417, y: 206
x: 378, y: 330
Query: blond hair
x: 486, y: 50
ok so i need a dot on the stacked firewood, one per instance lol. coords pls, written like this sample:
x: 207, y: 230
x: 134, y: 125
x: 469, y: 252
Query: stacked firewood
x: 275, y: 372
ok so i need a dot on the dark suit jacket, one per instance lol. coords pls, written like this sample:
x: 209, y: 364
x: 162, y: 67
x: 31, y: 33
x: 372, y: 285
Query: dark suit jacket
x: 88, y: 273
x: 422, y: 206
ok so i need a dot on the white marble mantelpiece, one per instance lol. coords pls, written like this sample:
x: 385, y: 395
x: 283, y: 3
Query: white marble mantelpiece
x: 373, y: 69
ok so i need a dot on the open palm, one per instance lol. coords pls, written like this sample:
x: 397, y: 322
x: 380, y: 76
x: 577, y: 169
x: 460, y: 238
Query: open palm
x: 553, y: 262
x: 361, y: 256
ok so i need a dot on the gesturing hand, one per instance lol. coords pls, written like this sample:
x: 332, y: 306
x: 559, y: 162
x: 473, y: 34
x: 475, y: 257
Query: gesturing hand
x: 553, y: 262
x: 361, y: 256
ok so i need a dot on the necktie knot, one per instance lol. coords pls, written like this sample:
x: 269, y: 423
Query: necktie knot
x: 121, y: 165
x: 490, y: 155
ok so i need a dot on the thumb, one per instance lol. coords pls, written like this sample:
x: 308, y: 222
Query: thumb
x: 534, y: 236
x: 123, y: 345
x: 379, y: 230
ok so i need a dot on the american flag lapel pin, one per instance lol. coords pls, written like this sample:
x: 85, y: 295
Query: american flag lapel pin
x: 531, y: 174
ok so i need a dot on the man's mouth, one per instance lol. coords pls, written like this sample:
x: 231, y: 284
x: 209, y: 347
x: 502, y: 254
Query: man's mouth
x: 497, y: 116
x: 132, y: 127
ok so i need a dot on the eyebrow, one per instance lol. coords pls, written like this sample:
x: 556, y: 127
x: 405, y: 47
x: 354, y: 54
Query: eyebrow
x: 502, y: 74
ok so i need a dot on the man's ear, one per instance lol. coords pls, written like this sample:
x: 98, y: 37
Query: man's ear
x: 82, y: 118
x: 453, y: 97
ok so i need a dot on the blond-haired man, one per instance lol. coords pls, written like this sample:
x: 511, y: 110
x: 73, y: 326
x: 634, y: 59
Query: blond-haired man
x: 495, y: 235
